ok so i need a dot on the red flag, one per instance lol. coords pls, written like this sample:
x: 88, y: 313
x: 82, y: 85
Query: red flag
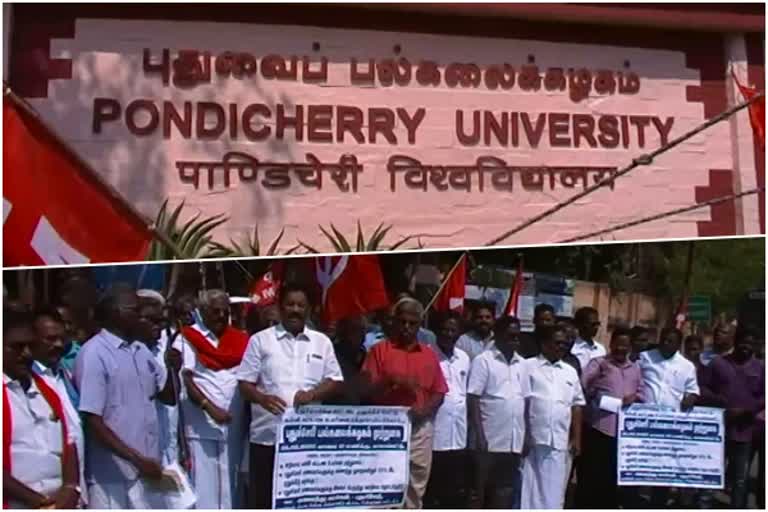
x: 55, y: 211
x: 451, y: 297
x: 264, y: 290
x: 514, y: 294
x: 350, y: 285
x: 756, y: 110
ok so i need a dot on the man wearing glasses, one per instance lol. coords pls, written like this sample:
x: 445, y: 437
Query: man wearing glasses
x: 119, y: 380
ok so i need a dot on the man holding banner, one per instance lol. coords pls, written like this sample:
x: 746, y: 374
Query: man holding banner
x: 670, y: 380
x: 404, y: 372
x: 288, y: 365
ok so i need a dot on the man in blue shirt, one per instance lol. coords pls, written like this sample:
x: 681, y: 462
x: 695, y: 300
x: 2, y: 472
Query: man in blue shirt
x: 119, y: 380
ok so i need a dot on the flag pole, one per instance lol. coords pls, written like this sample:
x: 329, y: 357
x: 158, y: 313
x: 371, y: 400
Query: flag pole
x: 445, y: 281
x: 90, y: 173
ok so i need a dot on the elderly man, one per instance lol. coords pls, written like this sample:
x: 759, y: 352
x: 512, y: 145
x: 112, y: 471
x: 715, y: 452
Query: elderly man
x: 212, y: 351
x: 288, y: 365
x: 119, y: 380
x: 40, y: 463
x: 404, y: 372
x: 48, y: 351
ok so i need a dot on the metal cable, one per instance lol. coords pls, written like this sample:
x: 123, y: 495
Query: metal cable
x: 711, y: 202
x: 645, y: 159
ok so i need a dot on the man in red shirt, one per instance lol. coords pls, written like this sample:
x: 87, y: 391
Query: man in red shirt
x: 401, y: 371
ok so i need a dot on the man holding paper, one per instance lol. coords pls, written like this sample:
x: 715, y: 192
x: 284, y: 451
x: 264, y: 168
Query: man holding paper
x: 610, y: 383
x: 212, y: 351
x: 119, y: 380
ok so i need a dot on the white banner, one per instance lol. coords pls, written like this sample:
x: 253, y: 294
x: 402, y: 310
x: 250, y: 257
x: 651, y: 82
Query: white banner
x: 341, y: 457
x: 663, y: 447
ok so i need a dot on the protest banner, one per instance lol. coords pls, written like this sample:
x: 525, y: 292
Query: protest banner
x: 662, y: 447
x: 341, y: 457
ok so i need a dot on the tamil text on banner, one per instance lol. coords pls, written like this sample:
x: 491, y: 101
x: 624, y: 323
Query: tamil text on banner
x: 341, y: 457
x: 663, y: 447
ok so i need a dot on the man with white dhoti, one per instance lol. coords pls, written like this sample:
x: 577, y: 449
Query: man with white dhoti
x: 553, y: 422
x: 212, y: 351
x: 151, y: 305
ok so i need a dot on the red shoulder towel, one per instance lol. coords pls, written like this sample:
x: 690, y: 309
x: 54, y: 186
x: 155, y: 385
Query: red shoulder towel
x: 54, y: 401
x: 227, y: 355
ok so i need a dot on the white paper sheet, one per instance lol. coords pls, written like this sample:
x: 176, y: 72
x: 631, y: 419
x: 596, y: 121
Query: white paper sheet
x: 172, y: 492
x: 610, y: 403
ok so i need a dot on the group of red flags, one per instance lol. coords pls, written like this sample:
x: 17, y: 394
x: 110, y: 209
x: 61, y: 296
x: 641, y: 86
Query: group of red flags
x: 354, y: 285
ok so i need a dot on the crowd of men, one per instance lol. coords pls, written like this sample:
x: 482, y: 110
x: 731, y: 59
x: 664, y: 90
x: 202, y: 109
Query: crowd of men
x: 500, y: 418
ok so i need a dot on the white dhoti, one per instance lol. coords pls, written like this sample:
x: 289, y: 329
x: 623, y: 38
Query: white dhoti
x: 213, y: 476
x: 544, y: 478
x: 119, y: 495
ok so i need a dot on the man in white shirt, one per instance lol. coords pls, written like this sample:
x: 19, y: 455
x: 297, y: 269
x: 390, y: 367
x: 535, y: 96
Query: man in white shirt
x: 447, y: 480
x: 40, y: 464
x: 670, y: 381
x: 287, y: 365
x: 670, y: 378
x: 498, y: 386
x: 212, y: 351
x: 553, y: 422
x: 475, y: 342
x: 585, y: 348
x: 47, y: 353
x: 156, y: 339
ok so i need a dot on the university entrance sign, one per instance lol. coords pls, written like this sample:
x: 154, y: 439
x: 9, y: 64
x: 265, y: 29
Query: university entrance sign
x: 455, y: 137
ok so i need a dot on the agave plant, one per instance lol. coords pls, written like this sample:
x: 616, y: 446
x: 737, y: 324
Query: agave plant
x: 251, y: 246
x: 374, y: 243
x: 191, y: 240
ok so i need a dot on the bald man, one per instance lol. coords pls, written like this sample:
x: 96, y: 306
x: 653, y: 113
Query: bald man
x: 403, y: 372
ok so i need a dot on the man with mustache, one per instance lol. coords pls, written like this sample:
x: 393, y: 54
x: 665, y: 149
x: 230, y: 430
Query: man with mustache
x: 288, y: 365
x: 119, y: 380
x: 497, y: 390
x: 586, y: 348
x: 47, y: 353
x: 553, y: 422
x: 480, y: 338
x: 403, y: 372
x: 613, y: 377
x: 212, y: 351
x: 447, y: 481
x: 40, y: 464
x: 670, y: 380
